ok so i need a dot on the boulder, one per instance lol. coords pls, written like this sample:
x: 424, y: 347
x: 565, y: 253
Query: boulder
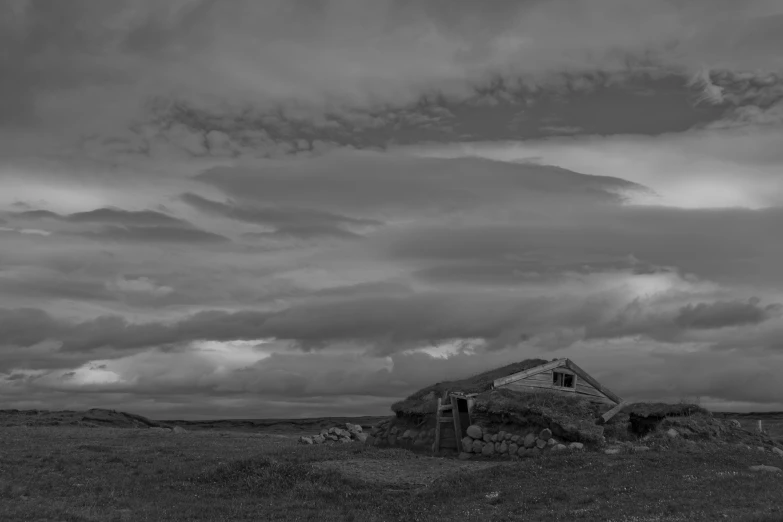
x: 545, y: 434
x: 488, y: 450
x: 778, y: 451
x: 353, y: 428
x: 530, y: 441
x: 318, y: 439
x: 576, y: 446
x: 508, y: 436
x: 540, y: 443
x: 324, y: 432
x: 497, y: 447
x: 305, y: 440
x: 331, y: 430
x: 179, y: 430
x: 477, y: 446
x: 361, y: 437
x: 371, y: 441
x: 672, y: 433
x: 487, y: 438
x: 501, y: 435
x: 734, y: 423
x: 464, y: 456
x: 770, y: 469
x: 331, y: 437
x: 515, y: 438
x: 503, y: 447
x: 345, y: 440
x: 559, y: 447
x: 494, y: 438
x: 551, y: 442
x: 475, y: 431
x: 612, y: 451
x: 513, y: 449
x: 467, y: 444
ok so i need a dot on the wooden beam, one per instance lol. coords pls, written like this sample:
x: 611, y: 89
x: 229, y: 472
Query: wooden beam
x: 436, y: 444
x: 603, y: 419
x: 527, y: 373
x: 592, y: 382
x: 455, y: 414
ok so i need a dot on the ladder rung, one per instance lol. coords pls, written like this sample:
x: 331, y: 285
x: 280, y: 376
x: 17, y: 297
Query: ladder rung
x: 447, y: 407
x: 446, y: 419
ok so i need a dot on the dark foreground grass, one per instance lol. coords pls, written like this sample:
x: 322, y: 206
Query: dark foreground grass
x: 109, y: 474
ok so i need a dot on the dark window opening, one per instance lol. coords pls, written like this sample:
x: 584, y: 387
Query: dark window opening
x: 566, y: 380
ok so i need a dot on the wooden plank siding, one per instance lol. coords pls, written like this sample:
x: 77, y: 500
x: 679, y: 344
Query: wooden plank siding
x: 527, y: 373
x: 541, y: 377
x: 527, y: 385
x: 543, y: 380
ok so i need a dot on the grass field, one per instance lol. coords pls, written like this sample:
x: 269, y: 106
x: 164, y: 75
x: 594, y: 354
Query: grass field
x: 105, y: 474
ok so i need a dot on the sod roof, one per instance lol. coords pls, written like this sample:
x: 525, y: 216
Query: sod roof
x: 425, y: 400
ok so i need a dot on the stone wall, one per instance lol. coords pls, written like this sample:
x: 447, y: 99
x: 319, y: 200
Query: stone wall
x: 507, y: 439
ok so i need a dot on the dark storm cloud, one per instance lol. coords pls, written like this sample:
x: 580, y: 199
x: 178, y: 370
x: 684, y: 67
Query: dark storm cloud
x: 396, y: 322
x: 373, y: 183
x: 733, y: 245
x: 153, y: 235
x: 112, y: 216
x: 722, y: 314
x: 294, y: 222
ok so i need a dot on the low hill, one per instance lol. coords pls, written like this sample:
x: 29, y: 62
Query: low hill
x: 93, y: 418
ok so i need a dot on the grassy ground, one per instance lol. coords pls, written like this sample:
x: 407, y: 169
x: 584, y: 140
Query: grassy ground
x: 81, y: 474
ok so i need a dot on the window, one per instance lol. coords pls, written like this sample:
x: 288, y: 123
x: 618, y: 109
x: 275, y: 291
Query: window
x: 565, y: 380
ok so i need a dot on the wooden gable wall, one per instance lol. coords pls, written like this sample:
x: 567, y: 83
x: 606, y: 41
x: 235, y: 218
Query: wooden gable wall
x: 543, y: 381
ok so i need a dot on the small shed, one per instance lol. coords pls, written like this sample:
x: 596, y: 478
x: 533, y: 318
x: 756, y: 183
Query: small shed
x: 561, y: 376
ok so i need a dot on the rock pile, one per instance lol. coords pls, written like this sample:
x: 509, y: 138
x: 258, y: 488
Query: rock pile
x: 351, y: 433
x: 507, y: 443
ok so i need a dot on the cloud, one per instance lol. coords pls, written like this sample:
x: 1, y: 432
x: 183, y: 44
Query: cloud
x: 723, y: 314
x: 153, y: 235
x: 701, y: 168
x: 294, y: 222
x: 113, y: 216
x: 375, y: 186
x: 344, y: 53
x: 141, y: 285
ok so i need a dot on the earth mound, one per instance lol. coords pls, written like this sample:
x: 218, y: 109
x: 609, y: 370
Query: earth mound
x: 497, y: 412
x: 93, y: 418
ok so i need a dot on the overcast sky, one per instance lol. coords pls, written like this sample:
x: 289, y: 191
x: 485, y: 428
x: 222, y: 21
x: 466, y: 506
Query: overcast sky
x: 297, y: 208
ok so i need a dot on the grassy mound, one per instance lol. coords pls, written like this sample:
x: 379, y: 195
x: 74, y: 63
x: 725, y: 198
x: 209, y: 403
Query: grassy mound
x: 662, y: 409
x: 425, y: 401
x: 573, y: 418
x: 96, y: 417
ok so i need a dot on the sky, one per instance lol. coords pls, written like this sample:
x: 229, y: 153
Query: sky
x: 306, y: 208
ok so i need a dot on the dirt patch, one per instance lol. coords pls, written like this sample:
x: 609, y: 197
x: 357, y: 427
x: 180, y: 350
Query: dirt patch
x: 410, y: 473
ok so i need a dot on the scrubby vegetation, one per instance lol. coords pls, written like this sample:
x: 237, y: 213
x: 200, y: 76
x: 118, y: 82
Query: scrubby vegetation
x: 85, y: 475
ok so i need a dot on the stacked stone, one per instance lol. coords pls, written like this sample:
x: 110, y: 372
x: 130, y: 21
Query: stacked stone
x: 506, y: 443
x: 385, y: 433
x: 351, y: 433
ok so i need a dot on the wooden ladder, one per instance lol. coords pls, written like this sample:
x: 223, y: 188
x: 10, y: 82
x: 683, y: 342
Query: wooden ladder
x: 447, y: 414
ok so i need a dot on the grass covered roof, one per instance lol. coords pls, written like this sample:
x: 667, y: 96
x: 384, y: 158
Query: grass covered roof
x: 426, y: 400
